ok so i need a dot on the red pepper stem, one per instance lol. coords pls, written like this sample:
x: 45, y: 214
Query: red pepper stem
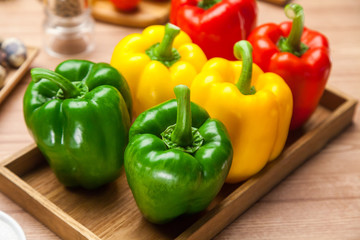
x: 69, y: 89
x: 182, y: 134
x: 243, y: 51
x: 206, y: 4
x: 296, y: 13
x: 164, y: 49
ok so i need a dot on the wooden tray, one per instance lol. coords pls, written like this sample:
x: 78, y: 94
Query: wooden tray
x: 149, y: 12
x: 111, y: 213
x: 14, y: 75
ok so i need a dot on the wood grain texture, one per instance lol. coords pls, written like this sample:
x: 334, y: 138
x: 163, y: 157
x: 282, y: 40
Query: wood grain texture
x: 320, y: 200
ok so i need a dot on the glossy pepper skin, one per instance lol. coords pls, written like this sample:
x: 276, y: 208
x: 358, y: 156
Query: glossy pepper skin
x: 255, y: 108
x: 176, y: 169
x: 155, y: 61
x: 215, y: 25
x: 299, y: 55
x: 79, y: 117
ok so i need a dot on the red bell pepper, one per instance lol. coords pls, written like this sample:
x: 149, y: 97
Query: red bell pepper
x: 299, y: 55
x: 215, y: 25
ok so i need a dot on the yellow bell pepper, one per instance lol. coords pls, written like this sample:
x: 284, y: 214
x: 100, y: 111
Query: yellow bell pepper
x: 255, y: 107
x: 154, y: 62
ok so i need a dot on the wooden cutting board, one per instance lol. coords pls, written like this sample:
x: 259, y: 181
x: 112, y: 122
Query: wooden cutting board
x: 149, y: 12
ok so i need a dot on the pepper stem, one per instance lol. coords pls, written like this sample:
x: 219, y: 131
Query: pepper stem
x: 296, y: 13
x: 293, y: 43
x: 69, y: 89
x: 243, y: 51
x: 182, y: 134
x: 206, y: 4
x: 164, y: 49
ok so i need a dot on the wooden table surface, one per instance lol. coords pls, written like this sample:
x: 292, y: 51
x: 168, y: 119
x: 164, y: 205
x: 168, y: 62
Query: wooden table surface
x: 320, y: 200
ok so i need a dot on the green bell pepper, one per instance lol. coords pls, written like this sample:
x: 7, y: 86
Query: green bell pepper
x: 177, y: 158
x: 79, y: 117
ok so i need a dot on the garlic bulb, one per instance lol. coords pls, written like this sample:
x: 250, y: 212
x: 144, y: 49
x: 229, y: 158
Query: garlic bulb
x: 15, y: 51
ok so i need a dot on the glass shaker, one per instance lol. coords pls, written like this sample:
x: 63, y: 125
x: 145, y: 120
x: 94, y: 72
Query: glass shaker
x: 68, y: 27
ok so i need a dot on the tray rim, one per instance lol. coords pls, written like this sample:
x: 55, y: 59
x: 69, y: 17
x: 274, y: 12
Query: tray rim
x: 69, y: 224
x: 200, y: 229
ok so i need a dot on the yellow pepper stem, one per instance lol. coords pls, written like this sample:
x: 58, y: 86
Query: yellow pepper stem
x: 243, y: 51
x: 164, y: 51
x: 182, y: 134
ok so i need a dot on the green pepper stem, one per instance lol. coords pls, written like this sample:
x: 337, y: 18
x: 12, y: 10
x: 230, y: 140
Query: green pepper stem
x: 296, y: 13
x: 69, y: 89
x: 182, y: 134
x: 206, y: 4
x: 243, y: 51
x: 164, y: 49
